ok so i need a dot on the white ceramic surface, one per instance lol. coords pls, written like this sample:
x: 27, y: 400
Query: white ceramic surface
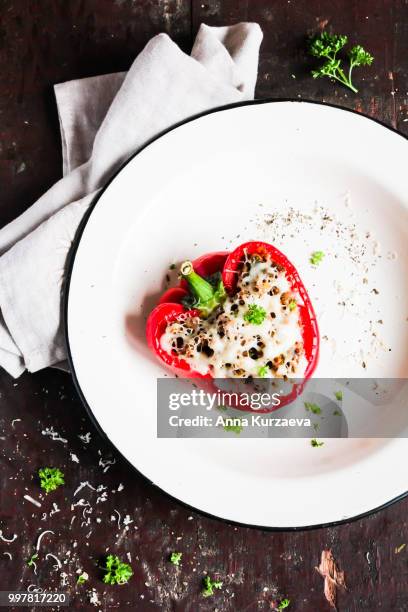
x: 211, y: 184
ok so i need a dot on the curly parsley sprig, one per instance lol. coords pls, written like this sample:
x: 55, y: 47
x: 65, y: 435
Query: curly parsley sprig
x: 326, y: 46
x: 316, y: 258
x: 209, y: 585
x: 116, y: 572
x: 255, y: 314
x: 175, y: 558
x: 50, y: 478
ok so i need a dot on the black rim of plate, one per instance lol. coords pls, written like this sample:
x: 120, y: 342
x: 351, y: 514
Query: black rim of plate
x: 68, y: 276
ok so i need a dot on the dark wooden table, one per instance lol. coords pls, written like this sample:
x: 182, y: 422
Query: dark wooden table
x: 44, y: 42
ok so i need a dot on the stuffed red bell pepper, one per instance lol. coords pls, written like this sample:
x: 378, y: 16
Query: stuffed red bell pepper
x: 244, y: 314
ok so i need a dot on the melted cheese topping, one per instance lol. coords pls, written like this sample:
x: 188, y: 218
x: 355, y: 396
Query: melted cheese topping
x: 232, y: 343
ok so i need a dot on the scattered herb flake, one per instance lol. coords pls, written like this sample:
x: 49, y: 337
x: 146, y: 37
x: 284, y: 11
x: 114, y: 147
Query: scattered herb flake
x: 255, y: 314
x: 313, y: 408
x: 209, y: 585
x: 172, y: 266
x: 263, y: 370
x: 315, y: 443
x: 50, y: 478
x: 32, y: 559
x: 82, y: 578
x: 117, y: 572
x: 284, y: 604
x: 316, y: 258
x: 399, y: 549
x: 337, y: 413
x: 175, y: 558
x: 338, y: 395
x: 292, y: 304
x: 235, y: 428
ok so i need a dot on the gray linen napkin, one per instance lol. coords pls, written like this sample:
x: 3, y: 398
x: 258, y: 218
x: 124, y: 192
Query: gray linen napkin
x: 103, y: 121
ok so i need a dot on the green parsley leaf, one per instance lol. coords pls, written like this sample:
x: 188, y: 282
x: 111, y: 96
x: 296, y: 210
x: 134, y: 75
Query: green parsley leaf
x: 117, y: 572
x: 263, y: 371
x: 255, y: 314
x: 32, y: 559
x: 316, y: 258
x: 315, y: 443
x: 50, y: 478
x: 209, y: 585
x: 235, y: 428
x: 175, y: 558
x: 338, y: 395
x: 292, y: 304
x: 326, y: 46
x: 313, y: 408
x: 82, y: 578
x: 284, y: 604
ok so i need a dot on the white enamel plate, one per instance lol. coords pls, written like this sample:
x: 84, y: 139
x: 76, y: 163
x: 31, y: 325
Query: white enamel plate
x: 306, y: 177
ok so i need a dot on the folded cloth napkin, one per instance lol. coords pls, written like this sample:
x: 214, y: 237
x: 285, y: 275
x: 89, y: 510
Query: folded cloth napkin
x: 103, y: 121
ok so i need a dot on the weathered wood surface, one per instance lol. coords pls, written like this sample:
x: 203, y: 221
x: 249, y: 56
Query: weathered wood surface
x: 49, y: 41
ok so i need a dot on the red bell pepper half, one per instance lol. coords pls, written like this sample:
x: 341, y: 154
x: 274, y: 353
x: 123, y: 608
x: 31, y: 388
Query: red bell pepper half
x: 205, y: 297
